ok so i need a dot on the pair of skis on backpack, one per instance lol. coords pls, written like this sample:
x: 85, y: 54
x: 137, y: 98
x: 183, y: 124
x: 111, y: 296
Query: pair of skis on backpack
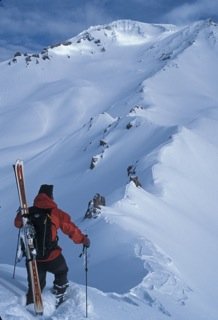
x: 28, y: 239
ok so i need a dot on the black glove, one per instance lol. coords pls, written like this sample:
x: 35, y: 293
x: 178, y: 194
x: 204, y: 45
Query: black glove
x: 86, y: 242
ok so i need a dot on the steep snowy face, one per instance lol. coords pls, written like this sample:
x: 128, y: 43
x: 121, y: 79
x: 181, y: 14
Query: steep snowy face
x: 186, y: 88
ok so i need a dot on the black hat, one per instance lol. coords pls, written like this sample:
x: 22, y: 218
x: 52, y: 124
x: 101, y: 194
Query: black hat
x: 47, y: 189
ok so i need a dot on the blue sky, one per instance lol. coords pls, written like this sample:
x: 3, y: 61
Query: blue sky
x: 30, y: 25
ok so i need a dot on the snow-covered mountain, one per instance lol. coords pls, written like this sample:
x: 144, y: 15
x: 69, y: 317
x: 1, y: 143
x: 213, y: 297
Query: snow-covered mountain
x: 114, y: 103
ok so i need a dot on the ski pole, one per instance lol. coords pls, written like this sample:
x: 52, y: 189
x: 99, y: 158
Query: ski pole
x: 86, y: 272
x: 15, y: 260
x: 84, y: 252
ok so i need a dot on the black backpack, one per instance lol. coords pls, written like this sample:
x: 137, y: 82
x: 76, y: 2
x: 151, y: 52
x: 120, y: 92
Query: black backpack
x: 41, y: 220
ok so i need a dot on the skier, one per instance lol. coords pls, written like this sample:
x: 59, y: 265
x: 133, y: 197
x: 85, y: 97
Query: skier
x: 52, y: 259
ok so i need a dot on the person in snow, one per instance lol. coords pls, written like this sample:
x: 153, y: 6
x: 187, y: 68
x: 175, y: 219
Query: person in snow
x: 52, y: 259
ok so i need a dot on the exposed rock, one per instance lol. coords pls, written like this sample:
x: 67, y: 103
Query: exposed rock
x: 135, y: 179
x: 17, y: 54
x: 94, y: 206
x: 129, y: 125
x: 103, y: 144
x: 131, y: 171
x: 135, y: 108
x: 93, y: 162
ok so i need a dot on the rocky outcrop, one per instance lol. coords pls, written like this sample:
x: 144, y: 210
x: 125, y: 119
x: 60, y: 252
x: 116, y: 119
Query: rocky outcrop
x: 94, y: 206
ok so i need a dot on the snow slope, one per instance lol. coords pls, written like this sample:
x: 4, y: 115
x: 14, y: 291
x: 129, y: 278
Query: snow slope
x: 149, y: 93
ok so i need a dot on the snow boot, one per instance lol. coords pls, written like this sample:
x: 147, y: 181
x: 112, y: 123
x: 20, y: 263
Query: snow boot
x: 60, y: 293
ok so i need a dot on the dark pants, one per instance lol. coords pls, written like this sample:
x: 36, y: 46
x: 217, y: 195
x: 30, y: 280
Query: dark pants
x: 58, y: 267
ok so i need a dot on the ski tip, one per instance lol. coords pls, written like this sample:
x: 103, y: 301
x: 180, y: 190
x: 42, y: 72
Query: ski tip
x: 18, y: 161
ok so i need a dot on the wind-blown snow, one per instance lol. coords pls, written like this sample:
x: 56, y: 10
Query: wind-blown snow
x: 150, y: 93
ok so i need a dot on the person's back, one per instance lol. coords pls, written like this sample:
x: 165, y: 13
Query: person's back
x: 49, y: 257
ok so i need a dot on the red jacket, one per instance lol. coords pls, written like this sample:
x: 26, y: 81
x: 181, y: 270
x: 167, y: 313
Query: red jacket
x: 60, y: 219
